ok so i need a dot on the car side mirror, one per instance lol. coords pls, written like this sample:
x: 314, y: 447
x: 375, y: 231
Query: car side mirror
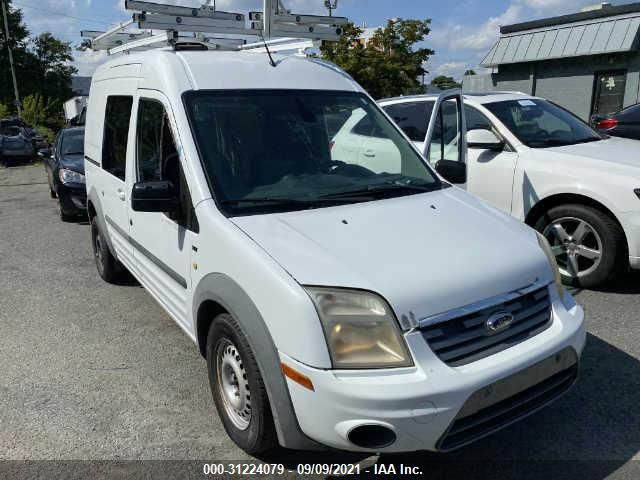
x: 45, y: 153
x: 453, y: 171
x: 154, y: 197
x: 484, y: 139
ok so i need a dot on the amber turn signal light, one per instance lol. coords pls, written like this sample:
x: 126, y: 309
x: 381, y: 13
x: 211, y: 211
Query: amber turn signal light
x: 297, y: 377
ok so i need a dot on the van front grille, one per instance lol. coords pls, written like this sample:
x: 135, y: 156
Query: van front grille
x: 466, y: 339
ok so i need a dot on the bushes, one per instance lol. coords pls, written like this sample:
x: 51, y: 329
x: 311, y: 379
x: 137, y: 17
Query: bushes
x: 4, y: 111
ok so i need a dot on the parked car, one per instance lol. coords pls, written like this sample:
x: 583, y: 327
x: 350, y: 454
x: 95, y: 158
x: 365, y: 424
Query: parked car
x: 15, y: 145
x: 341, y: 303
x: 543, y: 165
x: 625, y: 123
x: 64, y: 166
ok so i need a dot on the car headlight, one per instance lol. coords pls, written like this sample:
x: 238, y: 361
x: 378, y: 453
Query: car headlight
x: 69, y: 176
x: 546, y: 248
x: 360, y: 328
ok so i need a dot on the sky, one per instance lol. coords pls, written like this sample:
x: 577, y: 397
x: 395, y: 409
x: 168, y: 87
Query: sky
x: 462, y: 31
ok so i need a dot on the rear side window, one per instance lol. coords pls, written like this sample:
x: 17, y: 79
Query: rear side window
x: 412, y: 118
x: 116, y: 134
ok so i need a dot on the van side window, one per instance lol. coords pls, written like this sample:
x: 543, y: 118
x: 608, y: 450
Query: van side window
x: 158, y: 158
x: 116, y: 134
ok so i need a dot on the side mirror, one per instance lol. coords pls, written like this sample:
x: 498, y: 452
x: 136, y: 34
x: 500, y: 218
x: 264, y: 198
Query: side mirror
x: 154, y: 197
x: 45, y: 153
x: 484, y: 139
x: 453, y: 171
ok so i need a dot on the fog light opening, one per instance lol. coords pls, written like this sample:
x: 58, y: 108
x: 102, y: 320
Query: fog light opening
x: 372, y: 436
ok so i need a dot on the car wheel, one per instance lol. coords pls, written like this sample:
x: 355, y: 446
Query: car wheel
x: 588, y: 243
x: 237, y: 387
x: 108, y: 267
x: 52, y: 193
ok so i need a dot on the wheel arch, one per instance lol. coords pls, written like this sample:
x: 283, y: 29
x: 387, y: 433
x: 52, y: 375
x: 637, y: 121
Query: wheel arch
x: 547, y: 203
x: 217, y: 293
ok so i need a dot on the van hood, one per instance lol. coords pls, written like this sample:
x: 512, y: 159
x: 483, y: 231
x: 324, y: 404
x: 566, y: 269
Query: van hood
x: 425, y: 254
x: 620, y: 151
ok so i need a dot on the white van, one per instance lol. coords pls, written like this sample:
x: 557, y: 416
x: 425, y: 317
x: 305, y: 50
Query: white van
x: 365, y: 309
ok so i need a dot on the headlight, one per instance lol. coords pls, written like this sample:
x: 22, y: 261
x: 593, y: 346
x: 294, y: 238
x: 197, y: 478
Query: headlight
x: 69, y: 176
x: 361, y: 329
x: 546, y: 248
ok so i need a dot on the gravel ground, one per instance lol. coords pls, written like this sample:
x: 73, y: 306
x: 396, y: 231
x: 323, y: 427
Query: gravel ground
x: 92, y: 371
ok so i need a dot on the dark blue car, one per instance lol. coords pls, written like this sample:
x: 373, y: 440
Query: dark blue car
x: 64, y: 165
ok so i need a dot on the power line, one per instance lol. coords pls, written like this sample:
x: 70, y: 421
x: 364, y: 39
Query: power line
x: 13, y: 70
x: 50, y: 12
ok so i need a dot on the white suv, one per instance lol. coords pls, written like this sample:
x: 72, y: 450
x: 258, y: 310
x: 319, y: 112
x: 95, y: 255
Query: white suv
x: 367, y: 309
x: 543, y: 165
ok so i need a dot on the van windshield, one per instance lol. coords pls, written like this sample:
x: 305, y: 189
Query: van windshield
x: 279, y: 150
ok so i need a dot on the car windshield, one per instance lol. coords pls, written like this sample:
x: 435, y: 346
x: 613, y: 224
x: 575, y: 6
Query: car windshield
x: 541, y: 124
x: 73, y: 143
x: 279, y: 150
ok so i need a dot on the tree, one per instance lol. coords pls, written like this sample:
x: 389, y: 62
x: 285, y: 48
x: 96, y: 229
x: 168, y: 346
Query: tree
x: 43, y: 67
x: 388, y: 64
x: 445, y: 83
x: 4, y: 111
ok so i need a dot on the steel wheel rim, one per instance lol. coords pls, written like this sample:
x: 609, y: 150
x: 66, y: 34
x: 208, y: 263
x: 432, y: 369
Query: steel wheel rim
x: 576, y: 245
x: 233, y: 384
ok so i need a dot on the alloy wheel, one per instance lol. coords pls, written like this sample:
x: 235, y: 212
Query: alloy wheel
x: 576, y: 245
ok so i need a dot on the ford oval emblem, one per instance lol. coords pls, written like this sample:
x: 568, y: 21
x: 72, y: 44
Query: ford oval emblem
x: 497, y: 322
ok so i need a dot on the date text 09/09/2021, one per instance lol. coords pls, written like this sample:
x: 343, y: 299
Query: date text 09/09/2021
x: 248, y: 469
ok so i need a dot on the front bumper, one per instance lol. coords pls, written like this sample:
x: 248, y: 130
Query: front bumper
x: 631, y: 225
x: 73, y: 199
x: 421, y: 404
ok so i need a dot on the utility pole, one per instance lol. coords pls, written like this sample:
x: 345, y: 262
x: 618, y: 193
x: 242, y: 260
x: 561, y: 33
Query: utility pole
x: 13, y: 70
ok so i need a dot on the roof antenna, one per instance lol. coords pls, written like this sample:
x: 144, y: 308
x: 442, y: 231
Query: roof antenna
x: 266, y: 46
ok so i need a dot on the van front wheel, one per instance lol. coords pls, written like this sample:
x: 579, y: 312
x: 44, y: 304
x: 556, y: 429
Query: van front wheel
x: 237, y: 387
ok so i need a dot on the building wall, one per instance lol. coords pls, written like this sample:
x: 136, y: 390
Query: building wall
x: 568, y: 82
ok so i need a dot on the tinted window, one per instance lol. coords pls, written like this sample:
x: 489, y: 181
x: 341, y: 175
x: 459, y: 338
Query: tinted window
x: 366, y: 128
x: 261, y: 147
x: 541, y: 124
x: 158, y: 158
x: 445, y: 142
x: 72, y: 143
x: 116, y: 133
x: 412, y: 118
x: 475, y: 119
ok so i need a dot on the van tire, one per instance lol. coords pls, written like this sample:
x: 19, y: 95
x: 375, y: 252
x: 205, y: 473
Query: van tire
x: 108, y: 267
x: 225, y: 343
x: 606, y: 232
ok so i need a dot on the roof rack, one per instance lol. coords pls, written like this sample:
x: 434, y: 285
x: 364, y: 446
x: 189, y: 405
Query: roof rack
x: 187, y: 28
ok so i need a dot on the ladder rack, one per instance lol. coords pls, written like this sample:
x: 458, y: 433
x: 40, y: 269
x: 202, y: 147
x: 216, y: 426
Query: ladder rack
x: 186, y: 27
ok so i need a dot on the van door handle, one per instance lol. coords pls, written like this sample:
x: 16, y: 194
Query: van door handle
x: 121, y: 195
x: 369, y: 153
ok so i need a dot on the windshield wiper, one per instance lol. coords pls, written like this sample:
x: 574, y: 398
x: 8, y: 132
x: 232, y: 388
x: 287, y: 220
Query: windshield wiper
x: 383, y: 188
x: 286, y: 202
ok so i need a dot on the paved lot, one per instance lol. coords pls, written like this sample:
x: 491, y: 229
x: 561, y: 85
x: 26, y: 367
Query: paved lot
x: 92, y: 371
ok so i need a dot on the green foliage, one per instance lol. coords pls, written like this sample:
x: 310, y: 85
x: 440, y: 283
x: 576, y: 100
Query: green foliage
x: 388, y: 64
x: 445, y: 83
x: 43, y: 67
x: 47, y: 133
x: 42, y: 113
x: 4, y: 111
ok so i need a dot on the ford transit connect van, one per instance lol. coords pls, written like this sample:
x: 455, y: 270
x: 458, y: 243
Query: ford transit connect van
x: 341, y: 298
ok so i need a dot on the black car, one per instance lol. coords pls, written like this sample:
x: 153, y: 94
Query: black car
x: 625, y: 123
x: 64, y: 164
